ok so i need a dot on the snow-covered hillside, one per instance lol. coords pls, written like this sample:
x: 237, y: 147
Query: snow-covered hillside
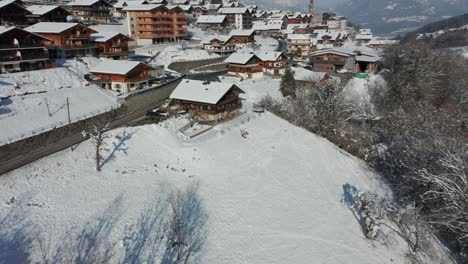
x: 273, y: 193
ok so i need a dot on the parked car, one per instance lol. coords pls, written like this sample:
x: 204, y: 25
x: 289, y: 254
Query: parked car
x: 157, y: 113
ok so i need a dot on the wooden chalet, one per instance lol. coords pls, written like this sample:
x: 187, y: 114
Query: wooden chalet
x: 21, y: 50
x: 111, y: 44
x: 68, y: 39
x: 209, y: 101
x: 46, y: 13
x: 222, y: 45
x: 91, y: 11
x: 13, y: 13
x: 216, y: 22
x: 272, y: 62
x: 342, y: 59
x: 245, y: 37
x: 244, y: 65
x: 123, y: 76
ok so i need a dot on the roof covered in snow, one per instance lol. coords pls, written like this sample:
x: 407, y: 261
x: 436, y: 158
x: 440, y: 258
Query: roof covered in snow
x: 233, y: 10
x: 41, y: 9
x: 104, y: 36
x: 304, y: 75
x: 211, y: 19
x: 268, y: 55
x: 83, y: 2
x: 50, y: 27
x: 222, y: 38
x: 120, y: 67
x: 242, y: 32
x: 299, y: 36
x: 141, y: 7
x: 200, y: 91
x: 240, y: 58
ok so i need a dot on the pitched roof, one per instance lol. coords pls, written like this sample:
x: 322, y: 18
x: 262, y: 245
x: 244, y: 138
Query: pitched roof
x: 301, y: 74
x: 240, y: 58
x: 233, y: 10
x: 84, y: 2
x: 141, y: 7
x: 299, y: 36
x: 240, y: 32
x: 211, y: 19
x: 41, y: 9
x: 222, y: 38
x: 121, y: 67
x: 6, y: 2
x: 51, y: 27
x: 200, y: 91
x: 6, y: 29
x: 268, y: 55
x: 104, y: 36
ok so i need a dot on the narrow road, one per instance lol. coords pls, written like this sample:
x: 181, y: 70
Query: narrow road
x: 282, y: 45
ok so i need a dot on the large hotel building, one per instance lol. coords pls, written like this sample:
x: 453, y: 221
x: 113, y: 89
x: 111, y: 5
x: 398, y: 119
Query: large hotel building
x: 152, y: 23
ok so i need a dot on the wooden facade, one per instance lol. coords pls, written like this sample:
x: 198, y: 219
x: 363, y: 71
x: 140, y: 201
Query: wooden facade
x: 97, y: 12
x: 226, y: 108
x: 115, y: 47
x: 158, y: 24
x: 13, y: 13
x: 58, y: 14
x: 138, y: 78
x: 21, y: 50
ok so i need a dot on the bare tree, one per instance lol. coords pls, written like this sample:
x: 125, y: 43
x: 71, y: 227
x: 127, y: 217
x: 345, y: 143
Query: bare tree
x: 187, y: 224
x: 98, y: 137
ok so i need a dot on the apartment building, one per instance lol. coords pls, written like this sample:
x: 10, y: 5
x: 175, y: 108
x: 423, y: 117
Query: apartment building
x: 238, y: 17
x: 148, y: 24
x: 299, y: 45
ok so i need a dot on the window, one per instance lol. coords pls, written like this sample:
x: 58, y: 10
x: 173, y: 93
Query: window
x: 117, y: 86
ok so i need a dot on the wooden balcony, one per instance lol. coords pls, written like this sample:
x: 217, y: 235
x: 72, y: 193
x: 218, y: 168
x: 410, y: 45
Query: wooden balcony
x: 21, y: 46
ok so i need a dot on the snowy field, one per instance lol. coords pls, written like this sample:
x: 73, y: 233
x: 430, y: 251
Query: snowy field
x: 272, y: 192
x: 36, y: 101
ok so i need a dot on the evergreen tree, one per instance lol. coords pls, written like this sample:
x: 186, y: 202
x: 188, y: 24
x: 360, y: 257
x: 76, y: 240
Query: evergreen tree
x: 288, y: 84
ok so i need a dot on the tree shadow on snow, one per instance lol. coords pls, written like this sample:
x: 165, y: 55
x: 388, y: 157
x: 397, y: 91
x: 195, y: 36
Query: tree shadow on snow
x: 144, y: 239
x: 16, y: 237
x: 193, y: 228
x: 349, y: 199
x: 119, y: 146
x: 91, y: 244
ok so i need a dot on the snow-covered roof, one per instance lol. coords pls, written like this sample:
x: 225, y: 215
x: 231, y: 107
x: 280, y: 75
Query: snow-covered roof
x: 211, y: 19
x: 121, y: 67
x: 6, y: 2
x: 84, y: 2
x: 141, y: 7
x: 6, y: 29
x: 222, y: 38
x: 242, y: 32
x: 200, y: 91
x: 301, y: 74
x: 268, y: 55
x: 368, y: 58
x: 50, y: 27
x: 240, y: 58
x: 299, y: 36
x: 41, y: 9
x: 124, y: 3
x: 104, y: 36
x: 377, y: 41
x: 233, y: 10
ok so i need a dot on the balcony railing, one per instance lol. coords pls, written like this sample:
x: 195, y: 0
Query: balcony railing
x: 79, y: 37
x: 21, y: 46
x: 25, y: 57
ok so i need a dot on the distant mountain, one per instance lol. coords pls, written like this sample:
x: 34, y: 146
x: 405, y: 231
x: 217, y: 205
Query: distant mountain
x: 293, y: 5
x: 449, y: 23
x: 383, y: 16
x: 399, y: 16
